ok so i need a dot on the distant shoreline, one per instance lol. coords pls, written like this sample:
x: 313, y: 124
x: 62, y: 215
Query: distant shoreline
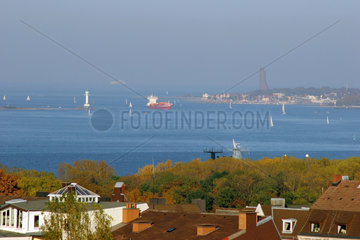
x: 43, y: 108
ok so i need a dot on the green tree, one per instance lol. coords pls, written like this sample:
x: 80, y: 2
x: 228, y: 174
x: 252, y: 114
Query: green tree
x: 71, y: 220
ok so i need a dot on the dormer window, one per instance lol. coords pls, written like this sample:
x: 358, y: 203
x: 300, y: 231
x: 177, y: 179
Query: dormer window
x: 288, y: 225
x: 341, y: 229
x: 315, y: 227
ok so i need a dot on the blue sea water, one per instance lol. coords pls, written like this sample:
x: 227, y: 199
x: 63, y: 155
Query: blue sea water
x: 40, y: 139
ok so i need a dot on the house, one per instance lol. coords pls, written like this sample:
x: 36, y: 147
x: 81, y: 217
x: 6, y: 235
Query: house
x: 179, y: 225
x: 119, y: 193
x: 336, y: 214
x: 26, y: 217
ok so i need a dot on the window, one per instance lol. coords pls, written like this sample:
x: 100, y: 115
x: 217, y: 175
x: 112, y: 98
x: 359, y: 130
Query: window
x: 7, y: 217
x: 19, y: 219
x: 3, y: 218
x: 315, y: 227
x: 36, y: 221
x: 341, y: 229
x: 288, y: 225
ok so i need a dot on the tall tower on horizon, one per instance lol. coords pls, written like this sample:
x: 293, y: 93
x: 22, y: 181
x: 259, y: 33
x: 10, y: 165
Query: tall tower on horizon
x: 263, y: 83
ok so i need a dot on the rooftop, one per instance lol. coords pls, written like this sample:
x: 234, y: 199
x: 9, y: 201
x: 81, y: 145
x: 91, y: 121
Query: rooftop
x: 295, y: 214
x: 329, y: 221
x: 345, y: 196
x: 175, y: 225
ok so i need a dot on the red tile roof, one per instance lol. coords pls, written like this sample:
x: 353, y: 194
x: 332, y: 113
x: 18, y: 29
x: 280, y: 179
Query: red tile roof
x: 185, y: 225
x: 344, y: 197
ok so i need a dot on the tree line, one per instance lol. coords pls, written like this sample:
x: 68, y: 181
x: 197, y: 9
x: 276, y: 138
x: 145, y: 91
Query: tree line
x: 223, y: 182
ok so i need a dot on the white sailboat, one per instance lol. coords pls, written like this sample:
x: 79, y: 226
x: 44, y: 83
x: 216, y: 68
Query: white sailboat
x: 4, y: 98
x: 74, y: 99
x: 28, y: 98
x: 271, y: 123
x: 327, y: 120
x: 130, y: 113
x: 283, y: 109
x: 130, y: 105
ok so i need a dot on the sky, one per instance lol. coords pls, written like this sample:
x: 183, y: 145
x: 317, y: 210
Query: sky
x: 187, y: 45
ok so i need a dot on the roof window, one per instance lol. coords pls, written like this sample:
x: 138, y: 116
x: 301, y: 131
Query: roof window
x: 315, y: 227
x: 289, y: 225
x: 341, y: 229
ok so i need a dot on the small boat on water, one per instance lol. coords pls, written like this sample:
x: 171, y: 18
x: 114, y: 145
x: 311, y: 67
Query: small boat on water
x: 327, y: 120
x: 74, y: 99
x: 283, y: 109
x: 130, y: 113
x: 271, y: 123
x: 28, y: 98
x: 4, y: 98
x: 130, y: 105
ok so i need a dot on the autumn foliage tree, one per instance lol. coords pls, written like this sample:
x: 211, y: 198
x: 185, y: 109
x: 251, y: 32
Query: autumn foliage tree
x: 9, y: 184
x: 94, y: 175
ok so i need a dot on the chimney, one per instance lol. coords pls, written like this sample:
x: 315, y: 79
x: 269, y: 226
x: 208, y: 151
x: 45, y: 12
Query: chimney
x: 204, y: 229
x: 247, y: 220
x: 130, y: 213
x: 139, y: 226
x: 336, y: 179
x: 277, y: 202
x: 71, y: 188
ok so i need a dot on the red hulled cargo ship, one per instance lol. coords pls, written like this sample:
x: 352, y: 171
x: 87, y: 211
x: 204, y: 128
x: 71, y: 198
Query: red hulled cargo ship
x: 153, y: 104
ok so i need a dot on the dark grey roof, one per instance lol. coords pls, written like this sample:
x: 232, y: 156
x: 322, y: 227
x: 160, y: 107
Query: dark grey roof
x: 37, y: 205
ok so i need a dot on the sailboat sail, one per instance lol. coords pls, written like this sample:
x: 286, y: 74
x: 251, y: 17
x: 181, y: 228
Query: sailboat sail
x: 28, y: 98
x: 327, y: 120
x: 271, y: 123
x: 283, y: 109
x: 74, y: 99
x: 4, y: 98
x: 130, y: 113
x: 130, y: 105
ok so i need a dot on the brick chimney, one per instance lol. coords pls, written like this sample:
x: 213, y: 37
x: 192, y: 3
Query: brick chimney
x: 247, y: 220
x: 139, y: 226
x: 204, y: 229
x: 130, y: 213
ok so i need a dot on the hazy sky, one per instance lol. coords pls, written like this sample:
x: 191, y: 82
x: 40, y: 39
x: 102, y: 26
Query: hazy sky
x: 197, y: 45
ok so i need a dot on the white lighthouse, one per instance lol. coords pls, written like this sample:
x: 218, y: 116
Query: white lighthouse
x: 86, y: 105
